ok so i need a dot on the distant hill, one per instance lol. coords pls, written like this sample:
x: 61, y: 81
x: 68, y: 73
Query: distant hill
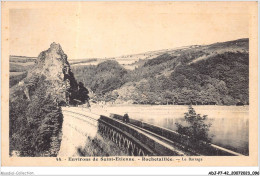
x: 19, y: 65
x: 22, y: 59
x: 133, y: 61
x: 130, y: 61
x: 208, y: 74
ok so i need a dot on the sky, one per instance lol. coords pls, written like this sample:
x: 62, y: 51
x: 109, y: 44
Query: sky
x: 110, y: 29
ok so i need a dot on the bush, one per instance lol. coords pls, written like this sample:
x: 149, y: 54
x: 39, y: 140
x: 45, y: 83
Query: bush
x: 195, y: 127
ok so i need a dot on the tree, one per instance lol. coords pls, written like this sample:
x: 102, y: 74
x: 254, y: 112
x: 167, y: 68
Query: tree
x: 196, y: 127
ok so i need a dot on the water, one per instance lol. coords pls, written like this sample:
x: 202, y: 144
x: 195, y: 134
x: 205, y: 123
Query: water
x: 229, y: 123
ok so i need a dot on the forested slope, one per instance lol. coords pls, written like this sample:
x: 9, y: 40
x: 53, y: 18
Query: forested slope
x: 209, y: 74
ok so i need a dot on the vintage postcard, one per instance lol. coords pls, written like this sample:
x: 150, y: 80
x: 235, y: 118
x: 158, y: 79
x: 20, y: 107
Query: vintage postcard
x: 129, y: 84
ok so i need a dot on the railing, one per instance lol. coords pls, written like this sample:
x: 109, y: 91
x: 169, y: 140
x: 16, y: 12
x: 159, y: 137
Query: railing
x: 182, y: 140
x: 135, y: 139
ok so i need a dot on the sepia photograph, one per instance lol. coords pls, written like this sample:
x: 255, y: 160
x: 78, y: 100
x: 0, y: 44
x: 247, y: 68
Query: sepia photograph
x: 129, y: 83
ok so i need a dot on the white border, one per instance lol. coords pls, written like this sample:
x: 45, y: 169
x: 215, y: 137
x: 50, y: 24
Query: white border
x: 125, y: 170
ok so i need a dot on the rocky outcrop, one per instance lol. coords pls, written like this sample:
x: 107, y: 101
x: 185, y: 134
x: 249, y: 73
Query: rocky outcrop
x: 35, y: 113
x: 53, y: 68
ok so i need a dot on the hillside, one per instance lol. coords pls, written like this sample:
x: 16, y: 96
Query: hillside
x: 199, y: 74
x: 103, y: 78
x: 208, y: 74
